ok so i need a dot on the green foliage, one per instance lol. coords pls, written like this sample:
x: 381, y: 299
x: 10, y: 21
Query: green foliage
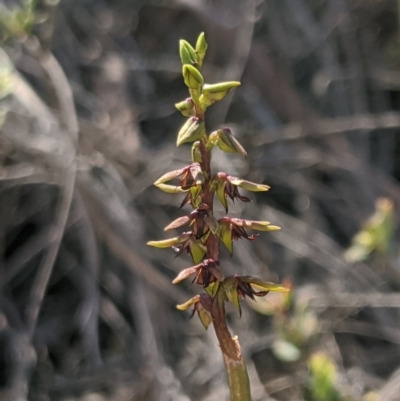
x: 375, y: 235
x: 17, y: 22
x: 295, y: 325
x: 322, y: 376
x: 6, y: 86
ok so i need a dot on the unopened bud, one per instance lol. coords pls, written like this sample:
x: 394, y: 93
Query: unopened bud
x: 186, y: 107
x: 212, y: 140
x: 215, y: 92
x: 201, y: 48
x: 228, y: 143
x: 191, y: 131
x: 187, y: 53
x: 192, y: 77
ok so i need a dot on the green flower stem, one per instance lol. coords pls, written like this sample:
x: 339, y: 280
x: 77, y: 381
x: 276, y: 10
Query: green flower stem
x: 238, y: 379
x: 236, y: 371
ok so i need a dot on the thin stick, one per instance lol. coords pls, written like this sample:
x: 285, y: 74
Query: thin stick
x: 67, y: 185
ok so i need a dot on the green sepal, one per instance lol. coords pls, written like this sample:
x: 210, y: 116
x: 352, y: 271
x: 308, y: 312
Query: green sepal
x: 197, y: 251
x: 221, y: 195
x: 216, y: 92
x: 212, y: 288
x: 191, y: 131
x: 225, y: 234
x: 230, y: 287
x: 187, y: 53
x: 205, y: 317
x: 195, y: 192
x: 213, y: 186
x: 186, y: 107
x: 192, y: 77
x: 196, y: 153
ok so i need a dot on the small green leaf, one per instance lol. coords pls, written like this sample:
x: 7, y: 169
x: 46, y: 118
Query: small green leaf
x: 192, y: 77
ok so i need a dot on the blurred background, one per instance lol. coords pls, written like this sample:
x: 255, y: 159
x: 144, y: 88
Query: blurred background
x: 87, y: 93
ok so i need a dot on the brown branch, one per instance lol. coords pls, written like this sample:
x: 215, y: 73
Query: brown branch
x: 329, y: 126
